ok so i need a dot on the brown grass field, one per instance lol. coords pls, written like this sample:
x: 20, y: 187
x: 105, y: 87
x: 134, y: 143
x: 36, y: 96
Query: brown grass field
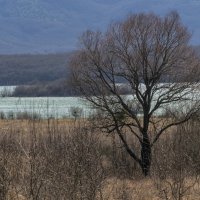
x: 114, y: 176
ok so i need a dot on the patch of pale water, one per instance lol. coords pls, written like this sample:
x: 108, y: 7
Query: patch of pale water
x: 46, y: 107
x: 60, y: 107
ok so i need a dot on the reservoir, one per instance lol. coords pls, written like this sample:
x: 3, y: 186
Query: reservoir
x: 56, y: 107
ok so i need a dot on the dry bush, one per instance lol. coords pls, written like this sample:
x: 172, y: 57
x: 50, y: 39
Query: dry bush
x: 176, y: 170
x: 54, y: 163
x: 10, y: 161
x: 118, y: 163
x: 75, y: 165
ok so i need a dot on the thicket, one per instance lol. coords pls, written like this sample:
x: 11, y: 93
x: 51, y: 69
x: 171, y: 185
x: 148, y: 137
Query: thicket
x: 58, y: 159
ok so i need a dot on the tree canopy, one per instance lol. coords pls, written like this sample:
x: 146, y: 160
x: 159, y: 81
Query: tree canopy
x: 152, y: 55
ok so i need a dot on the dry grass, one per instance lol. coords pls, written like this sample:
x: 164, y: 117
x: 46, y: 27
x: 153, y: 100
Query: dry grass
x: 65, y: 152
x: 129, y: 189
x: 117, y: 189
x: 144, y: 189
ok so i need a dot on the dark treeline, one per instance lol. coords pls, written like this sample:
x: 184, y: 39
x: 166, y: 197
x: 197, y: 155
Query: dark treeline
x: 56, y: 88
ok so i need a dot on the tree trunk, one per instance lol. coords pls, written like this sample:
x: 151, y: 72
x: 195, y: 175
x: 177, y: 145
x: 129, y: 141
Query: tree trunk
x: 146, y: 156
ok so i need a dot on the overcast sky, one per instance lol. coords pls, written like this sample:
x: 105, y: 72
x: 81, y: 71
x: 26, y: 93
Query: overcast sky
x: 55, y: 25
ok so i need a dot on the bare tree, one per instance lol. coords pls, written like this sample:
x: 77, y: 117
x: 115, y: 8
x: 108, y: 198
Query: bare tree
x: 150, y: 54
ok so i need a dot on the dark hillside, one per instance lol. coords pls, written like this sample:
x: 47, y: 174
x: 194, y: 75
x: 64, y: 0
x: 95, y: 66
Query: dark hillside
x: 36, y: 69
x: 31, y: 69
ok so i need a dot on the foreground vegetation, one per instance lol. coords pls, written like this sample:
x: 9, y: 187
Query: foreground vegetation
x: 68, y: 159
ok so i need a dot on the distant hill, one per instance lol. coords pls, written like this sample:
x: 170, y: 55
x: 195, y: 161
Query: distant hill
x: 32, y: 69
x: 44, y: 26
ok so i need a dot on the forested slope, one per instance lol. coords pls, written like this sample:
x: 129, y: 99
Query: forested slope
x: 31, y: 69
